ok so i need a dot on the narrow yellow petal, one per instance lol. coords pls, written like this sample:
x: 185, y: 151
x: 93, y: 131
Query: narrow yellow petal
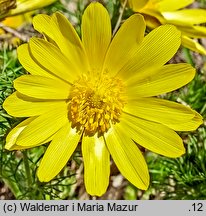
x: 22, y: 106
x: 42, y: 23
x: 69, y: 42
x: 42, y: 87
x: 156, y: 49
x: 152, y: 10
x: 158, y: 5
x: 29, y: 63
x: 14, y: 133
x: 153, y: 136
x: 191, y: 125
x: 168, y: 78
x: 15, y: 21
x: 58, y: 153
x: 51, y: 58
x: 96, y: 34
x: 137, y: 5
x: 43, y: 127
x: 151, y: 21
x: 124, y: 44
x: 58, y: 30
x: 193, y: 45
x: 127, y: 157
x: 193, y: 31
x: 14, y: 146
x: 172, y: 5
x: 23, y: 6
x: 159, y: 110
x: 96, y: 165
x: 186, y: 17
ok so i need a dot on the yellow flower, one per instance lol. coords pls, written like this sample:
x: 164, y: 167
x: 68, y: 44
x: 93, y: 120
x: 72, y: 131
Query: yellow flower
x: 157, y: 12
x: 99, y: 92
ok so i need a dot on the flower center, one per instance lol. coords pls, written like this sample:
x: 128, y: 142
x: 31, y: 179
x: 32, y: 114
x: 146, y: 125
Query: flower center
x: 96, y: 104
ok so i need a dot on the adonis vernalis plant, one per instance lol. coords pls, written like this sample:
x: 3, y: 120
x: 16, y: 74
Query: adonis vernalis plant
x: 99, y: 92
x: 157, y: 12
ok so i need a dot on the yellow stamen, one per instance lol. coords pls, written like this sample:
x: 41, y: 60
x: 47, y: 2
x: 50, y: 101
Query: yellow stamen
x: 96, y: 104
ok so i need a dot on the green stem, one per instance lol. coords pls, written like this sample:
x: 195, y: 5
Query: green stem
x: 120, y: 17
x: 27, y: 169
x: 13, y: 186
x: 5, y: 177
x: 188, y: 56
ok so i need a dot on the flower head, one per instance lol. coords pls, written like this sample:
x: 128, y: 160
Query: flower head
x: 157, y: 12
x: 99, y: 92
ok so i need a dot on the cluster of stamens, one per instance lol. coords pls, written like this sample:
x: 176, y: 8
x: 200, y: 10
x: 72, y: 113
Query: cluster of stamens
x: 96, y: 104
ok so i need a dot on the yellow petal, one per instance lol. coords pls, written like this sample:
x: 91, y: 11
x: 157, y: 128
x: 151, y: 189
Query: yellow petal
x: 43, y: 127
x: 96, y: 34
x: 60, y: 31
x: 42, y: 23
x: 58, y: 153
x: 15, y: 147
x: 22, y: 106
x: 153, y: 136
x: 168, y: 78
x: 14, y: 133
x: 152, y: 11
x: 23, y: 6
x: 18, y: 147
x: 193, y: 45
x: 127, y: 157
x: 191, y: 125
x: 186, y: 17
x: 151, y: 21
x: 159, y: 110
x: 193, y: 31
x: 42, y: 87
x: 15, y: 21
x: 29, y: 63
x: 124, y: 43
x: 137, y: 5
x: 96, y: 165
x: 155, y: 50
x: 51, y: 58
x: 69, y: 42
x: 172, y: 5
